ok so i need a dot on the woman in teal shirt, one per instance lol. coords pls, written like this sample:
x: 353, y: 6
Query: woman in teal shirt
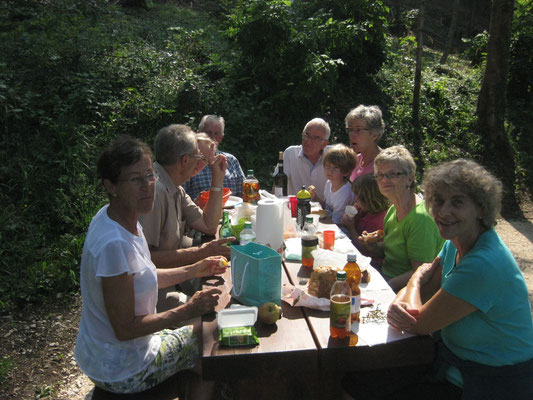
x: 411, y: 236
x: 474, y: 292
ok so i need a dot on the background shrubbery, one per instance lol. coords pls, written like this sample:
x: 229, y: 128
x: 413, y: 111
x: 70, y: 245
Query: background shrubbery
x: 76, y: 73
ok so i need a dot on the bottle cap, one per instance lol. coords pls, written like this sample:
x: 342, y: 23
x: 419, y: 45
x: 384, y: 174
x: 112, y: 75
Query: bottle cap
x: 341, y: 275
x: 303, y: 194
x: 250, y: 172
x: 309, y: 241
x: 352, y: 257
x: 309, y: 219
x: 247, y: 225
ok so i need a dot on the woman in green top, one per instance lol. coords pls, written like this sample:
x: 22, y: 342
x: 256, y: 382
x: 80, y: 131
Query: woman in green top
x: 411, y: 236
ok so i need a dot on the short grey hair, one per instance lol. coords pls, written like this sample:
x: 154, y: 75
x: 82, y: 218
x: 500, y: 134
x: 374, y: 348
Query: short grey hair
x: 400, y: 156
x: 173, y: 142
x: 210, y: 119
x: 470, y: 178
x: 371, y: 114
x: 321, y: 123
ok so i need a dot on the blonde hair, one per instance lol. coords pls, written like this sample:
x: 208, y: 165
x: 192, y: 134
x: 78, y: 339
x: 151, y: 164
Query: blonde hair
x: 367, y: 191
x: 400, y: 156
x: 342, y: 157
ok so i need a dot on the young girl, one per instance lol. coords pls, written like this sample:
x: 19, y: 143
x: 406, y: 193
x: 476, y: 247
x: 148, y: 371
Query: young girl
x: 338, y: 163
x: 371, y: 206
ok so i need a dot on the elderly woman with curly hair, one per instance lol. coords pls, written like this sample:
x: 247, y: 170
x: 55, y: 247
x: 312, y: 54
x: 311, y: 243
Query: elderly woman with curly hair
x: 473, y: 292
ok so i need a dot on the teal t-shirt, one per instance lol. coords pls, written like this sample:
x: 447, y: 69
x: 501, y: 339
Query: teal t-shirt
x: 415, y: 237
x: 500, y: 332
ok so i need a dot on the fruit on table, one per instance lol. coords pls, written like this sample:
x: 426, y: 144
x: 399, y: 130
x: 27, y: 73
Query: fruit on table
x: 223, y: 262
x: 269, y: 313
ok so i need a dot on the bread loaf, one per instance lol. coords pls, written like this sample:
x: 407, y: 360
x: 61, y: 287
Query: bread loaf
x: 321, y: 281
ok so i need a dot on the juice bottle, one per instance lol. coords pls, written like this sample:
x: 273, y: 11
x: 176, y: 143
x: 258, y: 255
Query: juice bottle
x: 250, y: 188
x: 353, y: 277
x: 309, y: 243
x: 339, y: 317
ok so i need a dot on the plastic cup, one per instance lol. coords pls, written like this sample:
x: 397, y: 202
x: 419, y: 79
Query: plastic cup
x: 294, y: 206
x: 350, y: 211
x: 329, y: 240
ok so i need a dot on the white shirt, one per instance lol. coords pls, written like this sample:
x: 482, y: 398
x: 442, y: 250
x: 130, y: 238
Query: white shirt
x: 111, y: 250
x: 337, y: 201
x: 301, y: 171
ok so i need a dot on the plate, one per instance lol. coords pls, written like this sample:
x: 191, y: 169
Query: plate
x: 232, y: 202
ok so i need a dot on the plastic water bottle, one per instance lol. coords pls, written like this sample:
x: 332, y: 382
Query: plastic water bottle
x: 309, y: 227
x: 247, y: 234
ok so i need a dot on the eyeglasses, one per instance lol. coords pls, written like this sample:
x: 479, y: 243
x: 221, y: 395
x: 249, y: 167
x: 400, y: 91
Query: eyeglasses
x: 200, y: 157
x: 389, y: 175
x: 306, y: 136
x: 141, y: 180
x: 355, y: 131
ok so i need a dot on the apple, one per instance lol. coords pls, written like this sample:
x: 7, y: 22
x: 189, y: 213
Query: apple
x: 269, y: 313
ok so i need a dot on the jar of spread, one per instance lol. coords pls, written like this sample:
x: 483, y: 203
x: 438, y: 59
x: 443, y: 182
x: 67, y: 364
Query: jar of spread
x: 309, y: 243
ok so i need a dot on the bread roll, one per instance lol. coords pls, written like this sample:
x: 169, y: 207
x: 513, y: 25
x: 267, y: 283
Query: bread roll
x: 321, y: 281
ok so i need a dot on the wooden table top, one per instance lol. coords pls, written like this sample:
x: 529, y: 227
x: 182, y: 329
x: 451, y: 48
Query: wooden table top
x: 354, y: 354
x: 289, y: 345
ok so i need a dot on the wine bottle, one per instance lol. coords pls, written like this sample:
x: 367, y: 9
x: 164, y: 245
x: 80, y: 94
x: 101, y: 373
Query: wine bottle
x: 280, y: 179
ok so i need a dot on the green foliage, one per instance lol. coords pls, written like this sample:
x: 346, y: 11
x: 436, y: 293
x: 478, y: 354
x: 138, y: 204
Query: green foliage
x: 476, y: 49
x: 447, y: 105
x: 520, y: 90
x: 74, y: 74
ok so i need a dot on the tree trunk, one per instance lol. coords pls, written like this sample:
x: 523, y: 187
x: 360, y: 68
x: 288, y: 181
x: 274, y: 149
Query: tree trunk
x: 451, y: 32
x: 418, y: 70
x: 491, y: 105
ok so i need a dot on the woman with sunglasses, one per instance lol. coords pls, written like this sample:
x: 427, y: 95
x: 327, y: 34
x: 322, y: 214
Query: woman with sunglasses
x: 411, y: 236
x: 123, y: 345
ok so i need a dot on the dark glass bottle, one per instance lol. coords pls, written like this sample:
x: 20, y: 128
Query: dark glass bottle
x: 280, y: 179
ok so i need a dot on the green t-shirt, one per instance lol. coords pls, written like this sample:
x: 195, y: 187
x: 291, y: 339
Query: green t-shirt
x: 415, y: 237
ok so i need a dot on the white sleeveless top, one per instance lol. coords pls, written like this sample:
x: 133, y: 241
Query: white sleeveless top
x: 111, y: 250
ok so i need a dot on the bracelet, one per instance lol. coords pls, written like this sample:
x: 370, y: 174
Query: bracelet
x: 216, y: 189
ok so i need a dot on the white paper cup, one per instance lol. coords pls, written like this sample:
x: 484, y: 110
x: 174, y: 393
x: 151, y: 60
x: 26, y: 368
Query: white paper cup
x: 351, y: 211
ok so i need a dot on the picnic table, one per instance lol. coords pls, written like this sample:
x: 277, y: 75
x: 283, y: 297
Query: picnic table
x: 297, y: 358
x: 278, y: 367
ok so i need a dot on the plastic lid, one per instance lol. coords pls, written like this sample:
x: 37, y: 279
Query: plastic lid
x: 308, y: 218
x: 352, y: 257
x: 309, y: 240
x: 341, y: 275
x: 247, y: 225
x: 238, y: 316
x: 250, y: 172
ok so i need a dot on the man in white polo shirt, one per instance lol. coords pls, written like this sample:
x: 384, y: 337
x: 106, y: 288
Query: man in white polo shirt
x: 303, y: 163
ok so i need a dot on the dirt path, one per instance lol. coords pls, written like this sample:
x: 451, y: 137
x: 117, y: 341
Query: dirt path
x: 37, y: 345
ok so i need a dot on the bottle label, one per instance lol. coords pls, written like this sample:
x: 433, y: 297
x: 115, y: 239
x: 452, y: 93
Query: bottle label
x: 278, y: 191
x: 340, y: 311
x: 356, y: 304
